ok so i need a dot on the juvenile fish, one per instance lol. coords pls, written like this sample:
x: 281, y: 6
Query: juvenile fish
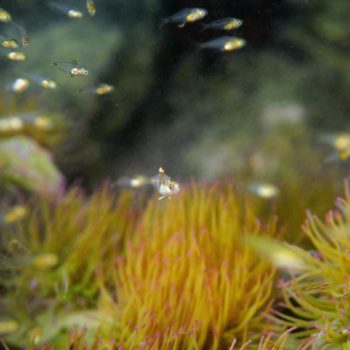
x: 73, y: 69
x: 227, y: 24
x: 5, y: 17
x: 187, y: 15
x: 165, y: 185
x: 225, y: 43
x: 19, y: 85
x: 99, y: 89
x: 8, y: 43
x: 67, y: 10
x: 15, y: 55
x: 44, y: 82
x: 91, y: 7
x: 24, y: 38
x: 264, y: 190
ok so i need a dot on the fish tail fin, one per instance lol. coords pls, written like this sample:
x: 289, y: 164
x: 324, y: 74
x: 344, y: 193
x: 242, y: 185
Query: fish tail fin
x: 181, y: 25
x: 163, y: 21
x: 333, y: 157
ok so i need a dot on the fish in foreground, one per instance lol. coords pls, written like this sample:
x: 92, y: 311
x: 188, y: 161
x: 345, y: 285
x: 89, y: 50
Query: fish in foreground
x: 67, y: 10
x: 8, y: 43
x: 341, y: 144
x: 224, y: 43
x: 264, y: 190
x: 5, y: 17
x: 165, y: 185
x: 74, y: 69
x: 91, y: 7
x: 24, y: 38
x: 15, y: 214
x: 16, y: 56
x: 99, y: 89
x: 19, y: 85
x: 227, y: 24
x: 187, y: 15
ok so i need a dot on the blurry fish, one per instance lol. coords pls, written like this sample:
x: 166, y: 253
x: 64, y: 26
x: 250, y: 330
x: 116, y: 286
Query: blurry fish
x: 11, y: 124
x: 45, y: 261
x: 8, y: 43
x: 280, y: 254
x: 224, y: 24
x: 67, y: 10
x: 15, y: 214
x: 134, y: 182
x: 99, y: 89
x: 91, y: 7
x: 19, y: 85
x: 264, y: 190
x: 4, y: 16
x: 187, y: 15
x: 24, y: 38
x: 341, y: 144
x: 44, y: 82
x: 16, y: 56
x: 224, y: 43
x: 339, y: 141
x: 164, y: 184
x: 74, y: 69
x: 8, y: 326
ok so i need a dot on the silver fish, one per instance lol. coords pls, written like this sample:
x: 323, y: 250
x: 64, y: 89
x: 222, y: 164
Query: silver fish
x: 187, y: 15
x: 165, y: 185
x: 70, y: 12
x: 224, y: 43
x: 227, y: 24
x: 73, y: 69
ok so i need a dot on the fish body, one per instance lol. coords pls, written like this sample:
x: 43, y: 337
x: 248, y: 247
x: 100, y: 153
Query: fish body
x: 16, y: 56
x: 44, y: 82
x: 165, y: 185
x: 100, y: 89
x: 8, y: 43
x: 24, y: 38
x: 19, y: 85
x: 227, y: 24
x: 225, y: 44
x: 5, y: 17
x: 73, y: 69
x: 134, y: 182
x: 264, y: 190
x: 187, y: 15
x: 341, y: 145
x: 91, y: 7
x: 67, y: 10
x: 15, y: 214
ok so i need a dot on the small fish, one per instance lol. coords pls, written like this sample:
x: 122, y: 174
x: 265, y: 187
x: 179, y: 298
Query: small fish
x: 5, y: 17
x: 74, y: 69
x: 45, y: 261
x: 15, y: 214
x: 24, y: 38
x: 11, y: 124
x: 8, y: 43
x: 164, y: 184
x: 224, y: 43
x: 91, y: 7
x: 44, y: 82
x: 134, y: 182
x: 264, y: 190
x: 339, y: 141
x: 19, y: 85
x: 16, y: 56
x: 224, y: 24
x: 100, y: 89
x: 67, y: 10
x: 187, y: 15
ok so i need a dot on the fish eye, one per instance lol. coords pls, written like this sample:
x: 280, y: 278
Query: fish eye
x: 86, y: 72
